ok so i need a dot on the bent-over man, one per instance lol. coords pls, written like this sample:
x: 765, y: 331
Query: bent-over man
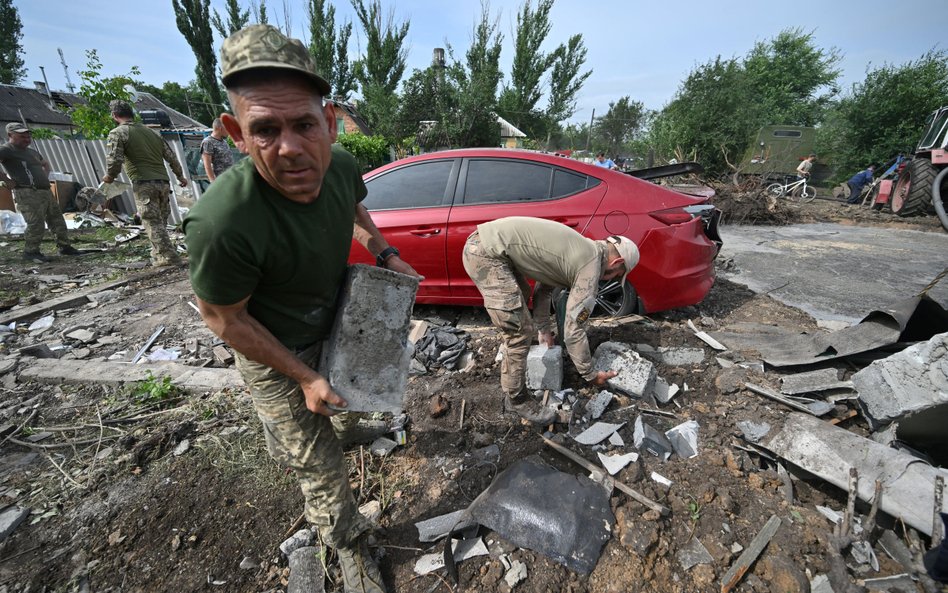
x: 857, y: 182
x: 144, y: 153
x: 268, y: 245
x: 27, y: 174
x: 500, y: 256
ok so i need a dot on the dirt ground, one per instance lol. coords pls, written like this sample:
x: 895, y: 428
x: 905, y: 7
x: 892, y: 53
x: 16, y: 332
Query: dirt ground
x: 141, y: 488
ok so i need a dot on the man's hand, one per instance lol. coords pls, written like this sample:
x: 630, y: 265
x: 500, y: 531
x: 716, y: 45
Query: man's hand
x: 182, y: 181
x: 318, y: 394
x: 546, y: 338
x: 602, y: 377
x: 397, y: 264
x: 107, y: 179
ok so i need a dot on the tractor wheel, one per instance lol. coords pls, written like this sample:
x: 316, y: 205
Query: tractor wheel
x: 912, y: 195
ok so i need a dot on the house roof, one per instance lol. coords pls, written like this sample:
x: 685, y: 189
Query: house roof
x: 179, y: 121
x: 508, y: 130
x: 350, y: 110
x: 34, y: 106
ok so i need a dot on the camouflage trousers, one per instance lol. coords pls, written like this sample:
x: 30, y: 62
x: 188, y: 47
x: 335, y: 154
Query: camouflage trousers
x: 154, y: 206
x: 306, y: 443
x: 506, y: 294
x: 40, y: 209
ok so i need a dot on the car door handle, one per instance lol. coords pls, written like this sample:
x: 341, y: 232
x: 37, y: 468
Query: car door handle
x: 569, y: 223
x: 425, y: 232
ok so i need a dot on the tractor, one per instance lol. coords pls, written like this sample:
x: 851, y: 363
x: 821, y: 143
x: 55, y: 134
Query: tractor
x: 922, y: 185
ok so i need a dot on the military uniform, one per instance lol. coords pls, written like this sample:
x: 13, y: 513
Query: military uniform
x: 33, y: 198
x: 144, y: 153
x: 221, y: 156
x: 501, y: 255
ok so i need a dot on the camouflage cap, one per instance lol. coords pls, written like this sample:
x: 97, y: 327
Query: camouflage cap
x: 16, y: 127
x: 264, y: 46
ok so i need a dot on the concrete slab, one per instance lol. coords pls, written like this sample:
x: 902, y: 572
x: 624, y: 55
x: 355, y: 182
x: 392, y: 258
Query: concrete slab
x: 663, y: 391
x: 598, y: 404
x: 190, y: 378
x: 909, y: 381
x: 435, y: 528
x: 670, y: 355
x: 10, y: 519
x: 545, y: 368
x: 597, y: 432
x: 635, y: 374
x: 367, y: 356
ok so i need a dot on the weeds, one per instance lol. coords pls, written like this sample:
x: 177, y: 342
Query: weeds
x: 154, y: 391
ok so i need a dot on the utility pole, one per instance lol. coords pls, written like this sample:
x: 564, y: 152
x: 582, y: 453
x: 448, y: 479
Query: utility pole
x: 589, y: 131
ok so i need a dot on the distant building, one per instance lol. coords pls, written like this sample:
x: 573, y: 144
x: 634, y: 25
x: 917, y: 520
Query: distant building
x: 38, y: 107
x: 510, y: 136
x: 348, y: 120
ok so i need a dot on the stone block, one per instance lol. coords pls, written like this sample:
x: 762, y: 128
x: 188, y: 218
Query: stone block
x: 910, y: 381
x: 306, y: 572
x: 366, y: 358
x: 597, y: 405
x: 545, y: 368
x: 635, y: 374
x: 10, y: 519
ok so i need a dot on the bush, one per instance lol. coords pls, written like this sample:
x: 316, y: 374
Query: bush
x: 370, y: 151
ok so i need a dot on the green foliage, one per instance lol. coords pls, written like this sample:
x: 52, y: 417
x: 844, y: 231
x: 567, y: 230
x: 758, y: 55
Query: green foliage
x: 329, y: 47
x: 43, y: 133
x: 885, y: 114
x: 236, y: 19
x: 724, y: 101
x: 518, y: 101
x: 370, y: 151
x: 94, y: 120
x: 11, y: 51
x: 381, y: 68
x: 154, y: 390
x: 194, y: 23
x: 615, y: 131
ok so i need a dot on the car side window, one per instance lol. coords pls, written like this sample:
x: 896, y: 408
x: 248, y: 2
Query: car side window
x: 506, y: 181
x: 566, y: 183
x: 415, y: 186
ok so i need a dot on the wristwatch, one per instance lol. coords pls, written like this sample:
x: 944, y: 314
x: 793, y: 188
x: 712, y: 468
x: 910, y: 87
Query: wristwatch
x: 384, y: 255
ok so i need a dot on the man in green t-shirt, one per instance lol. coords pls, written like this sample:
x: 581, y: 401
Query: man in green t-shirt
x: 268, y: 245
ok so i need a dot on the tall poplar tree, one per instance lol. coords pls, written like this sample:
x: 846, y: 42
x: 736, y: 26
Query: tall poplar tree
x: 194, y: 21
x: 11, y: 52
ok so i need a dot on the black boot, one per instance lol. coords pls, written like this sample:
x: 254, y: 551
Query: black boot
x: 529, y: 409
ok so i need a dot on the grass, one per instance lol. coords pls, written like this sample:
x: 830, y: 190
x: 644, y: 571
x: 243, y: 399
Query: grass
x: 154, y: 391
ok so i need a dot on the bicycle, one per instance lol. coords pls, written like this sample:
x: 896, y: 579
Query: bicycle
x: 795, y: 189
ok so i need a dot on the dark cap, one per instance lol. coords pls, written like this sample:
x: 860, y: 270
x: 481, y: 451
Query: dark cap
x: 264, y: 46
x: 16, y: 127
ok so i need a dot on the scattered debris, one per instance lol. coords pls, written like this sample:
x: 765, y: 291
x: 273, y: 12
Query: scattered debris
x: 222, y: 355
x: 644, y: 437
x: 693, y: 553
x: 753, y: 431
x: 306, y: 572
x: 300, y: 539
x: 10, y: 519
x: 597, y: 433
x: 597, y: 405
x: 545, y: 367
x: 615, y: 463
x: 661, y: 479
x: 663, y: 391
x: 438, y: 406
x: 382, y: 446
x: 684, y: 439
x: 635, y: 374
x: 808, y: 382
x: 435, y: 528
x: 754, y: 549
x: 814, y: 407
x: 516, y: 574
x: 704, y: 337
x: 462, y: 549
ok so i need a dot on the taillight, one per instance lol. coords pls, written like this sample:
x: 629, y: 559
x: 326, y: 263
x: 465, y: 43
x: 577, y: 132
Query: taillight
x: 672, y: 216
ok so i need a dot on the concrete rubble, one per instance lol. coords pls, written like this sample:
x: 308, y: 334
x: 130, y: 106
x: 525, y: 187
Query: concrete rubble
x: 812, y: 381
x: 635, y: 374
x: 190, y: 378
x: 907, y: 382
x: 366, y: 357
x: 545, y: 368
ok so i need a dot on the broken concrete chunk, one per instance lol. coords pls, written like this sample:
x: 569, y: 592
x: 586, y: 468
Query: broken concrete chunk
x: 223, y: 355
x: 704, y: 337
x: 912, y: 380
x: 382, y: 446
x: 38, y: 350
x: 7, y: 365
x: 597, y: 405
x: 417, y: 330
x: 372, y: 511
x: 672, y: 356
x: 635, y: 374
x: 661, y: 479
x: 462, y: 549
x: 693, y: 553
x: 306, y: 572
x: 366, y: 358
x: 435, y: 528
x: 545, y: 368
x: 597, y: 432
x: 646, y: 438
x: 10, y: 519
x: 516, y: 574
x: 684, y: 438
x: 300, y: 539
x: 819, y: 380
x: 615, y: 463
x: 82, y: 335
x: 615, y: 439
x: 753, y: 431
x: 663, y: 391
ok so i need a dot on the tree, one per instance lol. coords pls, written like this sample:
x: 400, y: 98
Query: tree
x: 94, y: 119
x: 477, y: 80
x: 329, y: 48
x: 427, y: 96
x: 885, y: 114
x: 381, y: 68
x: 11, y: 51
x: 518, y: 101
x: 617, y: 129
x: 193, y: 20
x: 786, y: 75
x: 186, y: 99
x: 236, y: 19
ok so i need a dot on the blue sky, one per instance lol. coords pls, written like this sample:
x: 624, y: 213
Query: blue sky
x: 636, y: 48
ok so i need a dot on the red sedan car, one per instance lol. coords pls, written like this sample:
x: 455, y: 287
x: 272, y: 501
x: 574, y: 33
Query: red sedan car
x: 427, y: 205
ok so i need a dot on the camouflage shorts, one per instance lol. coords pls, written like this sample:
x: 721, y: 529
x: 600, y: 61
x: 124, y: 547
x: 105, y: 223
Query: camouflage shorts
x: 154, y: 206
x: 40, y: 209
x: 506, y: 294
x: 306, y: 443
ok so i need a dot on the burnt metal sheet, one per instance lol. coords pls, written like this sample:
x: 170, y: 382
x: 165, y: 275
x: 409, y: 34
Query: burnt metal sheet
x: 564, y: 517
x: 910, y: 320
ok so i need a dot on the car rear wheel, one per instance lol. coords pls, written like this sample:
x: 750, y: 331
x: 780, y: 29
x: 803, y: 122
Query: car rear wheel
x: 617, y: 298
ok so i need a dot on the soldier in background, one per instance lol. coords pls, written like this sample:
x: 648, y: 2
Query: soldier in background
x: 144, y: 154
x: 501, y: 255
x: 215, y: 151
x: 27, y: 174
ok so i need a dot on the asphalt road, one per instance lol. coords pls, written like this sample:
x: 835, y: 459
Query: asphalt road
x: 836, y: 272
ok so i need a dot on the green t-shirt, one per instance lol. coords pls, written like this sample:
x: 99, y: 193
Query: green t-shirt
x: 244, y: 238
x: 24, y: 166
